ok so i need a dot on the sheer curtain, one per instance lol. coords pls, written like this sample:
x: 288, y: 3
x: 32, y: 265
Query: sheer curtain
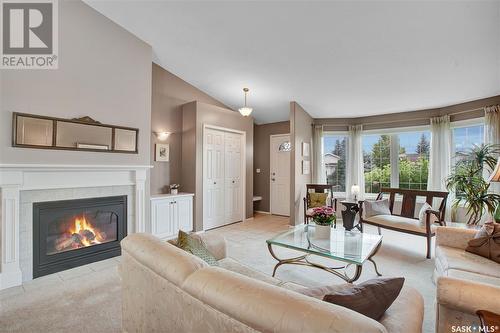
x: 440, y: 157
x: 319, y: 176
x: 355, y: 166
x: 492, y: 133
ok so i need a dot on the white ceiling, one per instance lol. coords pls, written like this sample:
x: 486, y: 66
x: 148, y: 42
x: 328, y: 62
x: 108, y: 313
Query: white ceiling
x: 336, y: 59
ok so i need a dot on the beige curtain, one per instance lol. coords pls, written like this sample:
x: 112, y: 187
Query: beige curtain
x: 355, y: 167
x: 319, y: 176
x: 440, y: 158
x: 492, y: 133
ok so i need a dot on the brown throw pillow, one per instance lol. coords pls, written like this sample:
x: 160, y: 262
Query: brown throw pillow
x: 486, y: 242
x: 370, y: 298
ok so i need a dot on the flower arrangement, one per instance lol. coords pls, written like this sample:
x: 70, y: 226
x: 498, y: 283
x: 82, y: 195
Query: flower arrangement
x: 324, y: 216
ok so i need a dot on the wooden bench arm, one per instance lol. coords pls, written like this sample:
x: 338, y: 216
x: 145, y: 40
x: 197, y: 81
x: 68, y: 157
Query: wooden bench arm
x: 437, y: 214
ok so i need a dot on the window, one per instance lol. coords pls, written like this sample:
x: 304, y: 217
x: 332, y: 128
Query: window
x: 377, y: 162
x: 334, y: 160
x: 414, y: 151
x: 396, y: 160
x: 465, y: 138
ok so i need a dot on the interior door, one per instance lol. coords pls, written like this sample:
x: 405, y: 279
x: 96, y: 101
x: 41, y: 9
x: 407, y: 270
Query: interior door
x: 213, y: 178
x: 280, y: 174
x: 233, y: 159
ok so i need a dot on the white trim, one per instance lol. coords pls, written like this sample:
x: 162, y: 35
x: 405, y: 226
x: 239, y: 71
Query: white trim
x: 467, y: 123
x: 262, y: 212
x: 335, y: 133
x: 289, y: 177
x: 243, y: 167
x: 389, y: 131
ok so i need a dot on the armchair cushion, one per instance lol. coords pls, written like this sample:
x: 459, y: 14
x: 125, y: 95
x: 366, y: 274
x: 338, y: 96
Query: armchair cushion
x: 454, y: 237
x: 452, y: 261
x: 399, y: 222
x: 317, y: 200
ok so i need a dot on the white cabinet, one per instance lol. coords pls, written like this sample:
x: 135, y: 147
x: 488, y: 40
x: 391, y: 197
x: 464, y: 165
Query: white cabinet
x: 171, y: 213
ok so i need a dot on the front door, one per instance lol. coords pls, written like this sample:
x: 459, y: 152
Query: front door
x: 280, y: 174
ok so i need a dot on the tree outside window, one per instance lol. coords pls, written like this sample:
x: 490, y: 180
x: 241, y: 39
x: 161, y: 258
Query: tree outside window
x: 334, y: 160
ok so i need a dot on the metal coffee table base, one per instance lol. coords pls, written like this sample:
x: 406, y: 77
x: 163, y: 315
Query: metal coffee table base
x: 303, y: 260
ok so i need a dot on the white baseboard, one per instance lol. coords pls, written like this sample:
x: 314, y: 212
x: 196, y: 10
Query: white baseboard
x: 262, y: 212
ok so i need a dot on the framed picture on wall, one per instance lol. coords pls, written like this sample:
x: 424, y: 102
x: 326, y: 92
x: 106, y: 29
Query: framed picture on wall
x: 306, y: 167
x: 305, y: 149
x: 162, y: 152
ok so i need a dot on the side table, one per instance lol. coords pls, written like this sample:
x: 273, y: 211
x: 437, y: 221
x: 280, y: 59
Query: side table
x: 349, y: 214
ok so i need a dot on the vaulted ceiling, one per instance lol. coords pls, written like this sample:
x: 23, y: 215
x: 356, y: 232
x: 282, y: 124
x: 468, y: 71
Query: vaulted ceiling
x: 337, y: 59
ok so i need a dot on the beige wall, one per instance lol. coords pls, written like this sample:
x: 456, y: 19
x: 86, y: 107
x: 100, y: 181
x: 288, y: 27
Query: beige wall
x: 104, y: 72
x: 261, y: 160
x: 195, y: 116
x: 300, y: 131
x: 169, y: 94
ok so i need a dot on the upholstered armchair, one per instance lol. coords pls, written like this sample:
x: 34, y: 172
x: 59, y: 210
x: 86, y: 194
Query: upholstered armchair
x: 318, y: 195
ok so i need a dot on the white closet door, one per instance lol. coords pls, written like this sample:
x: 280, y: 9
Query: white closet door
x: 213, y: 178
x: 233, y: 177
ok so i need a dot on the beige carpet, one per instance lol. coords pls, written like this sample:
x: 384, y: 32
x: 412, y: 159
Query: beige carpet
x: 87, y: 299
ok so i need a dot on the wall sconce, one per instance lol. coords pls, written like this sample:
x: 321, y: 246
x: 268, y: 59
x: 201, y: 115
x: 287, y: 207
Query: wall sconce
x: 162, y: 136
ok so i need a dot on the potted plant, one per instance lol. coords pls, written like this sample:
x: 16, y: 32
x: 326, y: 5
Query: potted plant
x: 469, y: 184
x: 174, y: 188
x: 323, y: 217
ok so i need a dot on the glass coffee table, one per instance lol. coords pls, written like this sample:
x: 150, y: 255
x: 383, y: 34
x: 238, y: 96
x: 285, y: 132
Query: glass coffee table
x: 350, y: 247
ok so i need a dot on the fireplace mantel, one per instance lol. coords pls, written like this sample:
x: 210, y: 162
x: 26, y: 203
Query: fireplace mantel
x: 15, y: 178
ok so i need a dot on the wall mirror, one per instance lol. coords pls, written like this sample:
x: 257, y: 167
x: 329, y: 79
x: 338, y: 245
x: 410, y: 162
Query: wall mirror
x: 35, y: 131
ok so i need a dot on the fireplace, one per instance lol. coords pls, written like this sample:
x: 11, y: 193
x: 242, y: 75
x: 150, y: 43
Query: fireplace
x: 72, y: 233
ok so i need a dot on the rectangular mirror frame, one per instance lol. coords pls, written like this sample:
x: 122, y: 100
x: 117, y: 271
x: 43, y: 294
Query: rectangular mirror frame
x: 55, y: 120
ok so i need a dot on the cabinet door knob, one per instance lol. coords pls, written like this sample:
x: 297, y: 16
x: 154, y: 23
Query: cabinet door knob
x: 215, y: 183
x: 273, y: 179
x: 233, y: 181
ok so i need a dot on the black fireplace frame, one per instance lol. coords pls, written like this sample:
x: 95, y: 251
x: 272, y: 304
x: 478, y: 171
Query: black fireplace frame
x: 44, y: 264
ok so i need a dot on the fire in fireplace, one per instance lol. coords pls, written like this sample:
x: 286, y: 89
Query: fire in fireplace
x: 71, y: 233
x: 81, y: 233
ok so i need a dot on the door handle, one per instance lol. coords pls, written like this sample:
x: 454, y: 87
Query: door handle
x: 274, y: 174
x: 273, y: 179
x: 233, y: 181
x: 215, y: 183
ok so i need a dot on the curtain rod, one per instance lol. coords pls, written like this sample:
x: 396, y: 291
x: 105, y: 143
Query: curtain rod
x: 400, y: 120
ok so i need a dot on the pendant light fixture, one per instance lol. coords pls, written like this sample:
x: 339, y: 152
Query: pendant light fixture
x: 245, y: 111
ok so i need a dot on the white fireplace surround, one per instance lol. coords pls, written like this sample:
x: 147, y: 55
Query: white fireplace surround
x: 16, y: 178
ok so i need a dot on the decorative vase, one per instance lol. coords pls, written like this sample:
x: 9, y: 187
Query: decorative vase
x: 496, y: 216
x: 322, y: 231
x: 174, y: 191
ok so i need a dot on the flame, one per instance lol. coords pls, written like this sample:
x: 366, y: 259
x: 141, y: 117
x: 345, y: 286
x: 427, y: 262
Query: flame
x: 82, y: 225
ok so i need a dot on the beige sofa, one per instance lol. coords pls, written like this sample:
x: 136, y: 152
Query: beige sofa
x: 465, y: 282
x: 166, y: 289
